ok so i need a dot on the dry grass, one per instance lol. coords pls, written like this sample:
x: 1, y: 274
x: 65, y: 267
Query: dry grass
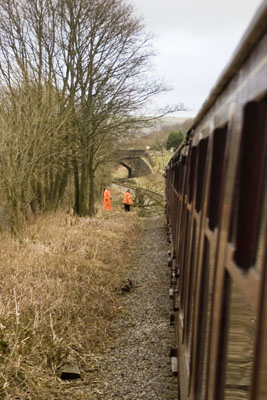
x: 58, y: 299
x: 154, y: 182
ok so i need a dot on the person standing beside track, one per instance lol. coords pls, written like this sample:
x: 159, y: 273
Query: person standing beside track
x: 127, y: 200
x: 107, y: 199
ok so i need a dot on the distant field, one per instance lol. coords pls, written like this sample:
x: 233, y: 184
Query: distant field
x: 162, y: 159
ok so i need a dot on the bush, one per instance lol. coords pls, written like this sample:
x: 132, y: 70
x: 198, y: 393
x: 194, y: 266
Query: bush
x: 175, y: 138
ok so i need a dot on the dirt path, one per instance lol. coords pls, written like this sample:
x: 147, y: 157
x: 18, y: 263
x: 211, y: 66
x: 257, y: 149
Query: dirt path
x: 137, y: 367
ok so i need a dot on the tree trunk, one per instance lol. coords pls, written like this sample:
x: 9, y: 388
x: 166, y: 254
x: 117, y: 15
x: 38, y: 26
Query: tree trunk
x: 91, y: 206
x: 63, y: 184
x: 76, y: 205
x: 84, y: 187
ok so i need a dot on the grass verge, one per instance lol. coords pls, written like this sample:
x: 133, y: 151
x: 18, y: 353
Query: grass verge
x: 59, y: 296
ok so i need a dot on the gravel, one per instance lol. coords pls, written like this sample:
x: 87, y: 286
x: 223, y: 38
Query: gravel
x: 137, y: 366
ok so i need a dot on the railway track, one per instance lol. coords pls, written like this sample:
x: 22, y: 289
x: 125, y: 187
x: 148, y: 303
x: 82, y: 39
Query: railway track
x: 149, y: 195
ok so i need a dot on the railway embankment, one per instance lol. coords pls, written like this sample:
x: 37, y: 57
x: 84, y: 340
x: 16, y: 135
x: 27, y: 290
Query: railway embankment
x: 92, y: 295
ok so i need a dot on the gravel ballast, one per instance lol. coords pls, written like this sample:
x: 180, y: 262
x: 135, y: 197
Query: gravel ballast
x: 137, y: 366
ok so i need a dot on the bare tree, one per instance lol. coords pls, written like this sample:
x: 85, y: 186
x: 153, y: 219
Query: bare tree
x: 96, y: 57
x: 106, y: 47
x: 30, y: 138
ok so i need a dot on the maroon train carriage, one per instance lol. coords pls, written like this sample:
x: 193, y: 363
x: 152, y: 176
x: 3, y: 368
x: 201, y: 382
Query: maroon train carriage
x: 216, y: 210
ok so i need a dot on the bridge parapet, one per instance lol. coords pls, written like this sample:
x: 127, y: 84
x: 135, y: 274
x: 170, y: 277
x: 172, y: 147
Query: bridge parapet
x: 138, y: 162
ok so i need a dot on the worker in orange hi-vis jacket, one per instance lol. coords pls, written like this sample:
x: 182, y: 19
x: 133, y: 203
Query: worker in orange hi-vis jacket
x: 107, y: 198
x: 127, y: 200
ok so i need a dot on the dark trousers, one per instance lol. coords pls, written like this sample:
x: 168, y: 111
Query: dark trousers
x: 127, y: 207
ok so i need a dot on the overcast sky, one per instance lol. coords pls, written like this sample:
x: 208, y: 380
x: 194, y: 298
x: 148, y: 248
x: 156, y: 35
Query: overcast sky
x: 194, y: 40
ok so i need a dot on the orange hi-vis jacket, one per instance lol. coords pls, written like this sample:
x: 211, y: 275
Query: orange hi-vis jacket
x: 127, y: 199
x: 107, y: 203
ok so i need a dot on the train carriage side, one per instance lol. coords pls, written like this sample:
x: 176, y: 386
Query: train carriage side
x: 216, y: 197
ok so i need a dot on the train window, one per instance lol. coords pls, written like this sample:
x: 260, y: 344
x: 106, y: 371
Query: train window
x: 185, y: 269
x: 192, y: 172
x: 191, y: 296
x: 183, y: 174
x: 172, y: 176
x: 204, y: 322
x: 202, y: 153
x: 250, y: 181
x: 240, y: 336
x: 218, y: 150
x: 176, y: 177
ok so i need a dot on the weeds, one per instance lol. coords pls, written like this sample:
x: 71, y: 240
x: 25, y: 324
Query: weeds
x: 58, y: 299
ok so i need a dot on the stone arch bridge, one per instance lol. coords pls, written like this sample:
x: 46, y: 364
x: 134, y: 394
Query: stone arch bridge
x: 137, y: 162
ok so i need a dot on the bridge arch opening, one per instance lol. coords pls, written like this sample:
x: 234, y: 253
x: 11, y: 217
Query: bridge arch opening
x: 130, y: 172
